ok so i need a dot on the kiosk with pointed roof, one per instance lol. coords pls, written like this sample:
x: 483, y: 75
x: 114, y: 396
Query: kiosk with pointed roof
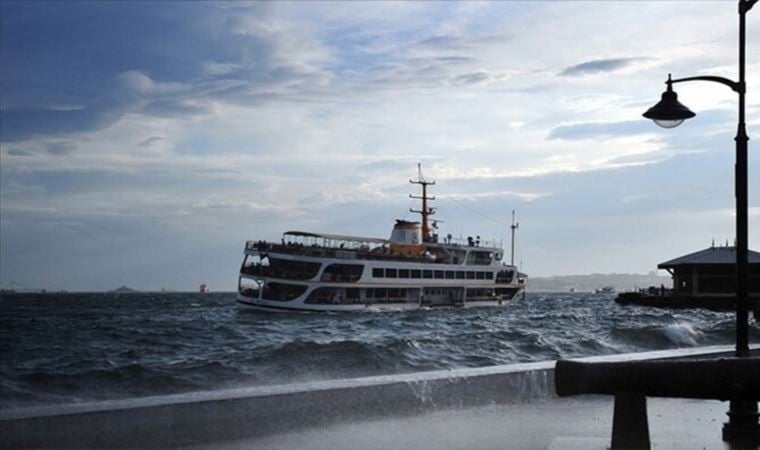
x: 706, y: 278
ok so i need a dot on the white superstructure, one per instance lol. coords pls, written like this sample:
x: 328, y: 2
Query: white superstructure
x: 411, y: 269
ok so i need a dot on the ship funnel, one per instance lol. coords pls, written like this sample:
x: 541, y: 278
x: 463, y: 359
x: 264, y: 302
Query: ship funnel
x: 406, y: 233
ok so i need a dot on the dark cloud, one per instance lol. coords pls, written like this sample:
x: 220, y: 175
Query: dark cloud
x: 443, y: 43
x: 19, y: 124
x: 55, y: 148
x: 80, y: 66
x: 473, y: 78
x: 600, y: 65
x: 59, y: 148
x: 20, y: 152
x: 150, y: 141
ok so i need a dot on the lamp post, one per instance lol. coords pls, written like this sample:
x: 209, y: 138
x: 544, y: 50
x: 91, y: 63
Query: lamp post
x: 669, y: 113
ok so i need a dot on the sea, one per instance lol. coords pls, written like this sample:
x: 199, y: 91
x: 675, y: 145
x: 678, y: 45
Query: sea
x: 58, y: 348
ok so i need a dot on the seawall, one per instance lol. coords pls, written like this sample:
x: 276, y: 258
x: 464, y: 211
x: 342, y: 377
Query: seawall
x: 215, y: 416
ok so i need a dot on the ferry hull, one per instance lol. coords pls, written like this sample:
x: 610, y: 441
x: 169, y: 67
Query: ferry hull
x: 255, y: 305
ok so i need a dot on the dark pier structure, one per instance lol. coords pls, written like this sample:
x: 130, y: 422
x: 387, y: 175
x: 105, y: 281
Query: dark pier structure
x: 703, y: 279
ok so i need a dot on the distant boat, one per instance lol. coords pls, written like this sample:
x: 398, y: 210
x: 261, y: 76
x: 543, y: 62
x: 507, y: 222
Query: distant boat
x: 204, y: 289
x: 605, y: 290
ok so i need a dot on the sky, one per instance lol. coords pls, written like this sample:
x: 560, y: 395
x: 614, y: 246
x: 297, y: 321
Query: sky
x: 142, y: 143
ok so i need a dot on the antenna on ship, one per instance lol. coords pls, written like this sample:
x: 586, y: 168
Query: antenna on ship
x: 425, y: 212
x: 513, y: 227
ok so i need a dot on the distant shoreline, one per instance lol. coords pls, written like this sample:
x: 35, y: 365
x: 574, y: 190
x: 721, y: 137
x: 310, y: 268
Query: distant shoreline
x: 554, y: 283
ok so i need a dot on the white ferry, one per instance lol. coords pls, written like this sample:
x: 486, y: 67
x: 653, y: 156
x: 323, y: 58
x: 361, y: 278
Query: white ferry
x: 413, y: 269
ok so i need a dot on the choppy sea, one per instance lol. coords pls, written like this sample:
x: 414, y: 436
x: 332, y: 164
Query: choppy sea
x: 74, y: 347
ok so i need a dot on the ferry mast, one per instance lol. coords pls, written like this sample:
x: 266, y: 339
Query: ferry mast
x: 514, y: 228
x: 426, y: 211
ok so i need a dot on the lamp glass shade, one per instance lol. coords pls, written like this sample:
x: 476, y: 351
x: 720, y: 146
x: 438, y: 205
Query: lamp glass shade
x: 668, y: 123
x: 669, y: 112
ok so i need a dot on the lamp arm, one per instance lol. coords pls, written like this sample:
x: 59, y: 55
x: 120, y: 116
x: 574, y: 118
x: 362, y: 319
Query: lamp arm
x: 734, y: 85
x: 746, y: 5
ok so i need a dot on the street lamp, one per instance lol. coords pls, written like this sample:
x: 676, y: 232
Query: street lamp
x: 669, y: 113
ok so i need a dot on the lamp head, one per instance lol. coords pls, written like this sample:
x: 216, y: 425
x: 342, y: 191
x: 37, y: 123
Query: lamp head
x: 669, y: 112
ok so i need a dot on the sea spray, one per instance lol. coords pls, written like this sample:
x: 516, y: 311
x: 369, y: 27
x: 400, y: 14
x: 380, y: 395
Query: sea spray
x: 682, y: 334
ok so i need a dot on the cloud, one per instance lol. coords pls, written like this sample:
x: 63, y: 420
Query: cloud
x: 59, y: 148
x: 443, y: 42
x: 595, y: 130
x: 20, y: 152
x: 601, y: 65
x: 50, y: 147
x: 481, y: 77
x: 150, y: 141
x: 172, y: 60
x: 31, y: 122
x: 241, y: 106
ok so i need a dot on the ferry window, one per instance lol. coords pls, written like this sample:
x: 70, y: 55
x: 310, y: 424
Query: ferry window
x: 342, y: 272
x: 450, y: 274
x: 460, y: 275
x: 403, y: 273
x: 393, y: 293
x: 480, y: 258
x: 248, y: 287
x: 504, y: 276
x: 458, y: 256
x: 291, y: 270
x: 481, y: 275
x: 416, y: 273
x: 368, y: 292
x: 381, y: 293
x: 470, y: 275
x: 390, y: 273
x: 427, y: 274
x: 439, y: 273
x: 489, y: 275
x: 282, y: 292
x: 377, y: 273
x: 352, y: 293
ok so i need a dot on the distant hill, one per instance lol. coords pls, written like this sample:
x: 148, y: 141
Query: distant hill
x: 123, y: 290
x: 584, y: 283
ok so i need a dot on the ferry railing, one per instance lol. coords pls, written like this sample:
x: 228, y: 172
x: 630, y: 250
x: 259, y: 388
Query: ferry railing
x: 331, y: 252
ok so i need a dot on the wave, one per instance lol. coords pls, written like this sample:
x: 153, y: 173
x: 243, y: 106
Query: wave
x: 76, y: 347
